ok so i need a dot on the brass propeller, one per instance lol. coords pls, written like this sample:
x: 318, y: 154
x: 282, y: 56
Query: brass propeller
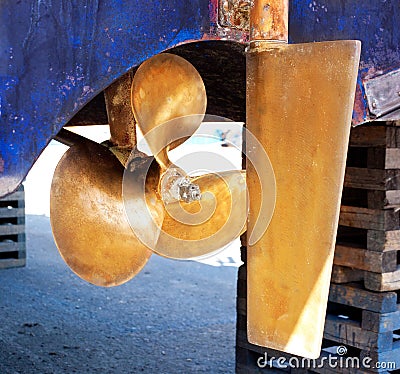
x: 166, y: 87
x: 169, y: 111
x: 198, y: 228
x: 104, y: 227
x: 87, y: 217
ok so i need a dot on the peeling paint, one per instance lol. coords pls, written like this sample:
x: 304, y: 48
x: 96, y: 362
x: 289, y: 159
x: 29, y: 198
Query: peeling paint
x: 58, y: 55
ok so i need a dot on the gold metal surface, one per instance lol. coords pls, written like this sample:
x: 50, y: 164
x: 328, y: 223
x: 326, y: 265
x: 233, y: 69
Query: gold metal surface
x: 166, y: 87
x: 269, y: 20
x: 202, y: 227
x: 299, y: 106
x: 169, y: 99
x: 88, y: 219
x: 120, y: 117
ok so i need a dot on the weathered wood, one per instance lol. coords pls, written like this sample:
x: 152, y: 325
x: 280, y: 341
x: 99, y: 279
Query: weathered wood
x: 12, y: 246
x: 393, y: 198
x: 350, y: 333
x: 341, y: 274
x: 372, y: 179
x: 383, y: 158
x: 383, y: 199
x: 363, y: 259
x: 355, y: 295
x: 383, y: 282
x: 381, y: 322
x: 12, y: 263
x: 368, y: 136
x: 12, y: 213
x: 379, y: 135
x: 383, y: 240
x: 11, y: 229
x: 16, y: 196
x: 364, y: 218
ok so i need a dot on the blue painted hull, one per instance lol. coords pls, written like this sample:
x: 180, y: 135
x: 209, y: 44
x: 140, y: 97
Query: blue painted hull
x: 56, y: 55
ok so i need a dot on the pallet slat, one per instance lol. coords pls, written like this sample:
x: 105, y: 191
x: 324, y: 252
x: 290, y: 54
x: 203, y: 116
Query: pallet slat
x: 18, y: 195
x: 363, y: 259
x: 355, y: 295
x: 11, y: 230
x: 12, y: 263
x: 341, y: 274
x: 12, y: 213
x: 375, y: 136
x: 383, y: 240
x: 381, y: 322
x: 350, y: 333
x: 12, y: 246
x: 384, y: 281
x: 383, y: 158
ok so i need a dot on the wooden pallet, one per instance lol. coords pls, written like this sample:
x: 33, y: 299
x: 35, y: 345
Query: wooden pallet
x: 12, y: 230
x: 368, y: 242
x: 366, y: 323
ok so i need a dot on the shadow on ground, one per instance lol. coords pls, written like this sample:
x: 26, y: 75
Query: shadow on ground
x: 174, y: 317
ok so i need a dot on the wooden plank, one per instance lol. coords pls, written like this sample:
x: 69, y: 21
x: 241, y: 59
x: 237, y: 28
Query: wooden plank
x: 378, y: 322
x: 383, y: 240
x: 383, y: 199
x: 365, y: 178
x: 350, y: 333
x: 11, y: 229
x: 364, y: 218
x: 393, y: 198
x: 375, y: 136
x: 341, y: 274
x: 12, y: 247
x: 363, y: 259
x: 383, y: 282
x: 12, y: 263
x: 392, y: 159
x: 356, y: 296
x: 368, y: 136
x: 383, y: 158
x: 15, y: 212
x: 372, y: 179
x: 392, y: 137
x: 18, y: 195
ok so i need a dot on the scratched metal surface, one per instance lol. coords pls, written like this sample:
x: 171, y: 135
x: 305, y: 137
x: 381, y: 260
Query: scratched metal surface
x: 56, y: 55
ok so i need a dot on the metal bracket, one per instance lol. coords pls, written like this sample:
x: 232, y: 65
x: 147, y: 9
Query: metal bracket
x: 383, y: 93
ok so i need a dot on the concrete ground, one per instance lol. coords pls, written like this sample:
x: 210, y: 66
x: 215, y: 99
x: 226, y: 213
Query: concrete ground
x: 174, y: 317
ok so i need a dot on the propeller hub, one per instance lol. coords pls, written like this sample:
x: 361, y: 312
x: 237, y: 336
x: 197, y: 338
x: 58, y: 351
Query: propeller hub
x: 177, y: 186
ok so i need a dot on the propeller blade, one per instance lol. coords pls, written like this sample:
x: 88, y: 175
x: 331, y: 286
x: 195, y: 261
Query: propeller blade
x: 166, y: 87
x: 199, y: 228
x: 88, y: 219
